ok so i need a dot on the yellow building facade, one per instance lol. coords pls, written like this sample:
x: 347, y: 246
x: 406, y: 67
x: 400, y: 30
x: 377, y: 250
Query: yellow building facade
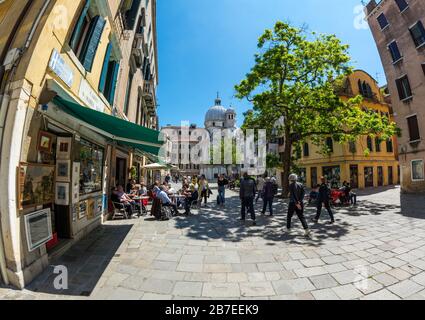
x: 57, y: 167
x: 348, y: 162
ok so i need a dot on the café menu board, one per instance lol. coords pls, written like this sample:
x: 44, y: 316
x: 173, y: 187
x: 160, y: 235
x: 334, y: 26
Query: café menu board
x: 38, y: 226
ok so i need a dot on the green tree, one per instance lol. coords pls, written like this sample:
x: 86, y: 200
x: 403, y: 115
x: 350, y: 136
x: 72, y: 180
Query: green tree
x: 295, y: 78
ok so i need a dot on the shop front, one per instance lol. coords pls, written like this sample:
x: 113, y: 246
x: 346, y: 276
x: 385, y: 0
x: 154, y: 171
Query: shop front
x: 65, y: 174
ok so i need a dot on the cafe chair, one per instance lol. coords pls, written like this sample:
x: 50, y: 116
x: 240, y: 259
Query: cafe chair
x: 119, y: 211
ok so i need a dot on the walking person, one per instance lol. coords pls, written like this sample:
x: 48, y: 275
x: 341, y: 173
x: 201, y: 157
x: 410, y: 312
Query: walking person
x: 296, y: 203
x: 222, y: 182
x: 260, y: 186
x: 247, y: 195
x: 324, y: 199
x: 269, y: 191
x: 203, y: 189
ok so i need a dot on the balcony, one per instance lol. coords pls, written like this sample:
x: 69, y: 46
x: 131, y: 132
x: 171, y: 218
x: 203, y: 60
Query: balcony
x: 149, y: 95
x: 138, y: 50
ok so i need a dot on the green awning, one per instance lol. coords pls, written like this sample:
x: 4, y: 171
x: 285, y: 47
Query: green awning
x: 125, y: 133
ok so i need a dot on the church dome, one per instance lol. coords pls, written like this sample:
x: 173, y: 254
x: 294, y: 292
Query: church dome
x: 216, y: 112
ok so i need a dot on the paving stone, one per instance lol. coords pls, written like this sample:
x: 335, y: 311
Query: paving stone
x: 346, y: 277
x: 188, y: 289
x: 256, y: 276
x: 399, y: 274
x: 405, y: 288
x: 154, y: 296
x: 256, y: 289
x: 367, y: 286
x: 333, y: 259
x: 125, y: 294
x: 347, y: 292
x: 385, y: 279
x: 419, y: 279
x: 160, y: 286
x: 325, y: 294
x: 316, y: 262
x: 221, y: 290
x: 217, y: 268
x: 287, y: 287
x: 237, y: 277
x: 190, y: 267
x: 269, y: 267
x: 323, y: 281
x: 309, y: 272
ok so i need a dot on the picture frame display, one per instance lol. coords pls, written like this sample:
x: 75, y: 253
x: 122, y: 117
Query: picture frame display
x: 62, y: 194
x: 82, y: 212
x: 38, y: 228
x: 63, y: 148
x: 63, y: 170
x: 36, y: 185
x: 76, y: 182
x: 45, y: 141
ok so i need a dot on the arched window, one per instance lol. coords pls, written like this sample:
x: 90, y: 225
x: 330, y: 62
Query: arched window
x: 370, y: 144
x: 330, y: 144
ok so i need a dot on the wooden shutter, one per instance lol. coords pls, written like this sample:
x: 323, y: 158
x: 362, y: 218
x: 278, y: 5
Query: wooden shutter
x: 91, y: 44
x: 111, y: 91
x: 77, y: 29
x: 104, y: 74
x: 413, y: 128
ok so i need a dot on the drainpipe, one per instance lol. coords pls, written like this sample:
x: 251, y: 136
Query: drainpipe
x: 4, y: 95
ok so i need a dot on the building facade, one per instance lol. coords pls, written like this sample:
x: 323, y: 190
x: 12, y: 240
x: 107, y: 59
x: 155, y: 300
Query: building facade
x: 218, y: 119
x: 399, y: 32
x: 74, y: 89
x: 348, y: 162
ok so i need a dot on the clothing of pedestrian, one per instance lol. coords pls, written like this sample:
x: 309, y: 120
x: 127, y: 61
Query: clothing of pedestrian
x: 260, y: 186
x: 203, y: 190
x: 247, y: 194
x: 269, y: 191
x: 296, y: 204
x: 324, y: 200
x: 222, y: 183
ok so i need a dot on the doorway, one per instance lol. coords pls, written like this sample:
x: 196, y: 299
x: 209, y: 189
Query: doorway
x: 368, y: 177
x: 380, y: 176
x: 354, y: 176
x: 121, y: 172
x: 313, y: 173
x: 390, y: 175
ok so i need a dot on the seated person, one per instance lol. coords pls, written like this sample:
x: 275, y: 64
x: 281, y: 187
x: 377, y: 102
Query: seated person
x: 143, y: 190
x: 123, y: 198
x: 166, y: 202
x: 191, y: 196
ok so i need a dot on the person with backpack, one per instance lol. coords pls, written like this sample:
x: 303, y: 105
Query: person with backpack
x: 269, y: 191
x: 296, y: 203
x: 324, y: 199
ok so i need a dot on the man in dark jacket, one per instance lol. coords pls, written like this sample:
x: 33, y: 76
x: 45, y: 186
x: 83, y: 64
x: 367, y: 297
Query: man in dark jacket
x: 269, y: 192
x: 324, y: 199
x: 296, y: 204
x: 247, y: 195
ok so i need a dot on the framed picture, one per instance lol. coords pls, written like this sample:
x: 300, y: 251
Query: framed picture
x: 45, y: 141
x: 38, y: 228
x: 63, y: 170
x: 99, y: 206
x: 82, y: 212
x: 62, y: 194
x: 36, y: 185
x: 63, y: 148
x: 75, y: 182
x: 90, y: 208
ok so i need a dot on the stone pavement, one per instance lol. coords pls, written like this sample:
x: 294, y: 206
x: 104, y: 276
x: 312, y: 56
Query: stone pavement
x: 375, y: 251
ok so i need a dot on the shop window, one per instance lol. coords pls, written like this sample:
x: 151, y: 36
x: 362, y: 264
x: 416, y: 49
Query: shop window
x: 418, y: 170
x: 402, y: 5
x: 86, y: 36
x: 333, y: 175
x: 404, y: 89
x: 383, y: 22
x: 418, y: 34
x: 412, y: 123
x: 108, y: 77
x: 91, y: 172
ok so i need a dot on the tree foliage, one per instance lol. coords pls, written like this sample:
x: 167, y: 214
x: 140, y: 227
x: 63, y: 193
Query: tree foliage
x: 295, y: 76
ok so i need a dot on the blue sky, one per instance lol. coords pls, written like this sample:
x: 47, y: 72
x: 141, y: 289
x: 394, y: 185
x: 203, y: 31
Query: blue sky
x: 207, y: 46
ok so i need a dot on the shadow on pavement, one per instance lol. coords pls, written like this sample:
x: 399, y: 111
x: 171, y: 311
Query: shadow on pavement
x: 85, y: 261
x: 212, y: 223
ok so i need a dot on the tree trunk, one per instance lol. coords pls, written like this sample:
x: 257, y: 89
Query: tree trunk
x: 287, y: 155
